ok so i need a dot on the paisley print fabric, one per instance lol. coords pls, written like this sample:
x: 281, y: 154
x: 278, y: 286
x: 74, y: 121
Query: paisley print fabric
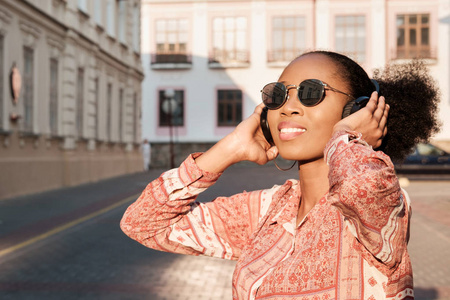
x: 351, y: 245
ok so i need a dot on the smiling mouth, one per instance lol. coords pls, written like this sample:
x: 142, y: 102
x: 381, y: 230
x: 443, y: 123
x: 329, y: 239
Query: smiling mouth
x: 292, y: 130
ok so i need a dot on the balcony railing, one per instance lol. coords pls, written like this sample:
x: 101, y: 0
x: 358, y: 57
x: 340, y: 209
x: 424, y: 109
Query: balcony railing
x: 171, y: 60
x: 423, y: 52
x: 284, y: 55
x: 220, y: 58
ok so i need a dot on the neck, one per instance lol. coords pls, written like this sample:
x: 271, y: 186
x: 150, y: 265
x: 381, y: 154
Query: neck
x: 313, y: 185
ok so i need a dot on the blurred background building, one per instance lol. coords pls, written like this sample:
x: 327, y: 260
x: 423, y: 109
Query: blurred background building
x: 72, y: 84
x: 206, y: 61
x: 70, y: 92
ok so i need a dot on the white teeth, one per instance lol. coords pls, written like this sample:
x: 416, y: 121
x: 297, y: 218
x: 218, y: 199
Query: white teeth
x: 289, y: 130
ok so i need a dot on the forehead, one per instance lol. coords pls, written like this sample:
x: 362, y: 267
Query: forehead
x: 311, y: 66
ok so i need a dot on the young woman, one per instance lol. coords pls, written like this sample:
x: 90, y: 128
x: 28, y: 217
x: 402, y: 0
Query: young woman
x: 339, y: 231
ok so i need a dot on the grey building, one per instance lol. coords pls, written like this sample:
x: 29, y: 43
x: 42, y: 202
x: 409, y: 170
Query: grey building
x: 70, y: 92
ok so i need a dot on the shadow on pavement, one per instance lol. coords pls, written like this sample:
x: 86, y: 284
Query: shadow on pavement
x: 426, y: 294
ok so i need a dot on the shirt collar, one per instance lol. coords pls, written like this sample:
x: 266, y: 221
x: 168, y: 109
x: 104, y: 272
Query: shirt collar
x: 287, y: 216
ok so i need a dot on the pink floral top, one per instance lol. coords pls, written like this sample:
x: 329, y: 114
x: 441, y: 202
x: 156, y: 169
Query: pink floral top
x: 351, y: 245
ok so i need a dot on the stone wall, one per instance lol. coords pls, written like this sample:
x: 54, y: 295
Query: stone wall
x: 160, y: 153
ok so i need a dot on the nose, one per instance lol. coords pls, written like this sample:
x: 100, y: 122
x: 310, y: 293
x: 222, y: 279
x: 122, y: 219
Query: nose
x: 292, y: 105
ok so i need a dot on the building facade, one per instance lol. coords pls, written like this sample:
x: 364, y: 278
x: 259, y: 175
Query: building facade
x: 215, y: 56
x: 70, y: 92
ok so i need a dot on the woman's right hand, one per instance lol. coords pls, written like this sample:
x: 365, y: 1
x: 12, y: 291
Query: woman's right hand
x: 245, y: 143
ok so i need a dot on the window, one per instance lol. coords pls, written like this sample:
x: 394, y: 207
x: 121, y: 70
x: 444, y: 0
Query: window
x: 229, y: 111
x: 80, y: 98
x: 53, y: 96
x: 122, y: 21
x: 171, y: 41
x: 98, y: 12
x: 350, y: 35
x: 108, y: 111
x: 97, y: 107
x: 111, y: 17
x: 136, y: 28
x: 413, y: 36
x: 288, y: 38
x: 28, y: 81
x: 121, y: 112
x: 135, y: 117
x: 82, y: 5
x: 2, y: 102
x: 229, y: 43
x: 175, y: 105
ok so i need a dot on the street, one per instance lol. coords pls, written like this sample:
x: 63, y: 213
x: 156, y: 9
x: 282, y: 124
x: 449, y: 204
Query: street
x: 67, y: 244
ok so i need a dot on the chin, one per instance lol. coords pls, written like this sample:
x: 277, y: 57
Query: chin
x: 301, y: 154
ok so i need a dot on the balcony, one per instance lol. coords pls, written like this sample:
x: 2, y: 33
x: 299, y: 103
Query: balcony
x: 221, y: 59
x: 282, y: 57
x: 171, y: 60
x: 420, y: 52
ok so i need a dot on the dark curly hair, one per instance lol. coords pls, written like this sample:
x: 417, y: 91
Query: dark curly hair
x: 411, y: 93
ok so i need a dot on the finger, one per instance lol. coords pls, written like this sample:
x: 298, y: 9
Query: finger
x: 373, y: 102
x: 272, y: 153
x: 259, y: 108
x: 383, y: 120
x: 384, y: 132
x: 379, y: 111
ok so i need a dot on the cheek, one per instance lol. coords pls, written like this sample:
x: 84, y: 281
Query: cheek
x: 271, y: 119
x: 325, y: 119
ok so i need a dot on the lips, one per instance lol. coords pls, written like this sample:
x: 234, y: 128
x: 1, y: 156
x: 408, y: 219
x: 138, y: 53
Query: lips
x: 289, y: 130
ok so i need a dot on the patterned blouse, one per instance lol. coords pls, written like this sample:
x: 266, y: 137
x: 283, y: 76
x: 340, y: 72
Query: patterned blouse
x: 351, y: 245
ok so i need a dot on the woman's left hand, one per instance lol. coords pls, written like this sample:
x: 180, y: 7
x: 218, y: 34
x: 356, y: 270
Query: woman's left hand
x: 370, y: 121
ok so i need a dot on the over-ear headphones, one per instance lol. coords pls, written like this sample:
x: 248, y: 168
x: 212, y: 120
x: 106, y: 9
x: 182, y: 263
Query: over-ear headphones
x: 265, y: 126
x: 355, y: 105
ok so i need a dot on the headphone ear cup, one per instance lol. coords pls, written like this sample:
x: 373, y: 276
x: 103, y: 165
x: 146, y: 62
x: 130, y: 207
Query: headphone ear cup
x: 265, y: 126
x: 354, y: 105
x: 347, y: 109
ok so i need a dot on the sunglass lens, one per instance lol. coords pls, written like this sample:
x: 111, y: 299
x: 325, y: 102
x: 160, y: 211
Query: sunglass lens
x: 310, y: 92
x: 273, y: 95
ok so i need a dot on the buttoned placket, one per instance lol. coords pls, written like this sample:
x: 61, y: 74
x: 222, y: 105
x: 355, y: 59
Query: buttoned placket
x: 292, y: 229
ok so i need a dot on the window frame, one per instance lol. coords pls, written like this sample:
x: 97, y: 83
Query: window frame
x: 237, y: 104
x: 79, y: 115
x: 28, y: 89
x: 220, y: 56
x: 408, y: 51
x: 271, y: 53
x: 54, y: 96
x: 2, y: 81
x: 166, y: 55
x: 351, y: 36
x: 163, y: 118
x: 109, y: 100
x: 122, y: 9
x: 120, y: 113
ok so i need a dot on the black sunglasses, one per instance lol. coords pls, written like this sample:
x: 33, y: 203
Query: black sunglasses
x: 310, y: 92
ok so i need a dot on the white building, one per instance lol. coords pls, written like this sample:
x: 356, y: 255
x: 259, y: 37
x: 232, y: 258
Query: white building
x: 217, y: 55
x: 70, y: 92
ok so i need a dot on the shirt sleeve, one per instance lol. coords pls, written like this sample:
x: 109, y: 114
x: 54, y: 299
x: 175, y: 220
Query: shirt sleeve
x: 365, y: 188
x: 167, y: 216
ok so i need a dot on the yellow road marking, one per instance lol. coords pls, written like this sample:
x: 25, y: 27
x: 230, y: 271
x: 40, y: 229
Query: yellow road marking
x: 65, y: 226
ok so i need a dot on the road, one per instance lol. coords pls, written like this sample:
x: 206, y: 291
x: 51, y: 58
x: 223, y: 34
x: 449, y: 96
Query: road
x: 67, y: 244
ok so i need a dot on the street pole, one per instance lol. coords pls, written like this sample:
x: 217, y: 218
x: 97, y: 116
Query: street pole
x: 170, y: 109
x: 172, y: 156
